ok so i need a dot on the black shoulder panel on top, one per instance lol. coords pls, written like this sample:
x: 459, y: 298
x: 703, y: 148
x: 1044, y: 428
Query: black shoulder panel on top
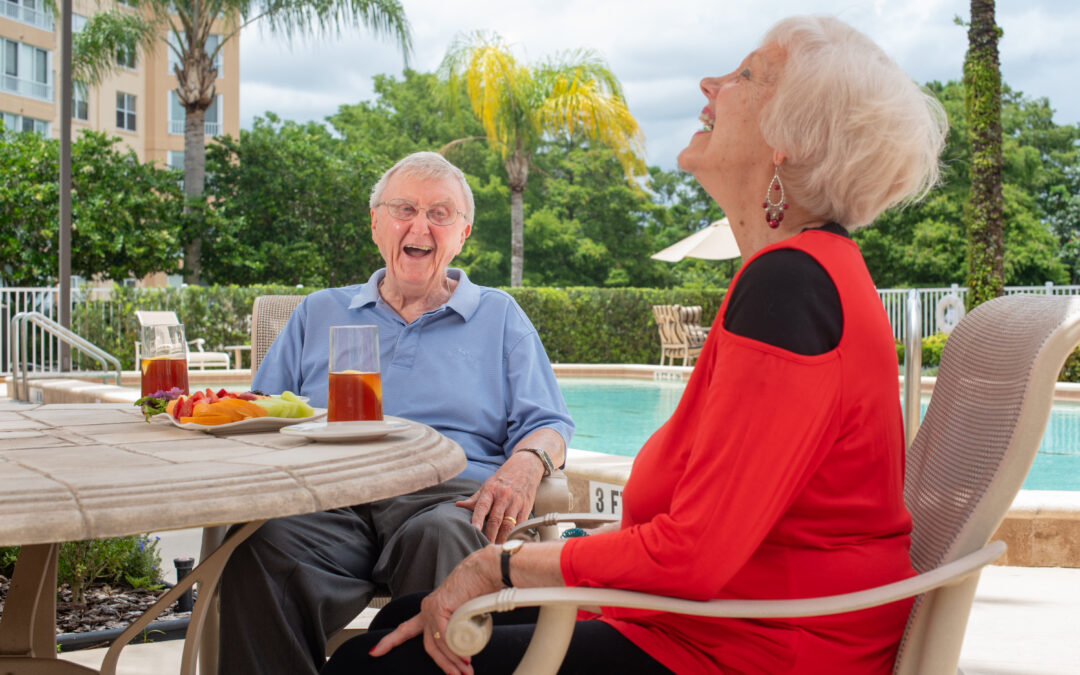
x: 786, y: 298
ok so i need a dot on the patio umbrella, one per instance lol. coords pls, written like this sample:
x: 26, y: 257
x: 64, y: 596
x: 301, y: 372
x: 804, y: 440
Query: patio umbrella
x: 712, y: 242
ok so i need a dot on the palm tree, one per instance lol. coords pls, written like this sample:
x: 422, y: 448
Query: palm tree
x: 982, y: 104
x: 185, y: 26
x: 574, y: 94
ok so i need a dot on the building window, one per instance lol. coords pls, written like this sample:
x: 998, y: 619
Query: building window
x: 212, y: 120
x: 125, y: 58
x: 212, y: 42
x: 80, y: 101
x: 78, y: 22
x: 176, y: 160
x: 32, y: 12
x: 125, y: 111
x: 23, y: 123
x: 26, y: 69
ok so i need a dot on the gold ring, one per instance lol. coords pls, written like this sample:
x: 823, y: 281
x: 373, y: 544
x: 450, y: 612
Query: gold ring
x: 436, y: 635
x: 513, y: 520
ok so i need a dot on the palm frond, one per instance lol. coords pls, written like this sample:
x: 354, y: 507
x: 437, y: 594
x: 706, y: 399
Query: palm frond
x: 94, y: 48
x: 329, y: 17
x: 498, y: 88
x: 583, y: 98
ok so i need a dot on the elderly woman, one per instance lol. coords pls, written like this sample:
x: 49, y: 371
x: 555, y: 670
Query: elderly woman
x: 780, y: 474
x: 459, y: 357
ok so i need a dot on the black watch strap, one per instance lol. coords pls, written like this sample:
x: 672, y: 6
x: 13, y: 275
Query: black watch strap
x: 505, y: 565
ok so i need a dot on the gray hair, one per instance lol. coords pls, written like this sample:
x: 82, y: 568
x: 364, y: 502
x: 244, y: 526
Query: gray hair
x: 859, y: 135
x: 426, y: 166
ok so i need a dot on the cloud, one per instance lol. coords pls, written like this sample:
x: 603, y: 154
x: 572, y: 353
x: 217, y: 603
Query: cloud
x: 659, y: 51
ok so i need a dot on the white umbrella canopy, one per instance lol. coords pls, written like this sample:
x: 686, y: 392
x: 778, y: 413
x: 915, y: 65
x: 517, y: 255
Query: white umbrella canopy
x: 712, y: 242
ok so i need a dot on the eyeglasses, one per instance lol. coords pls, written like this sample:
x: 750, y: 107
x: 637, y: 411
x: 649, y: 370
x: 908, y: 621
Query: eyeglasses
x: 439, y: 213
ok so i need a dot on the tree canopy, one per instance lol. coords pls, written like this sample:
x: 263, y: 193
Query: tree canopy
x: 126, y: 216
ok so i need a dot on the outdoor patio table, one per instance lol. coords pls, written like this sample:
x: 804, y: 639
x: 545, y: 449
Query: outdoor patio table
x: 71, y: 472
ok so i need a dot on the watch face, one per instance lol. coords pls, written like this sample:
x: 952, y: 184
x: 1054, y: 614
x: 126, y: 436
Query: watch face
x: 513, y: 545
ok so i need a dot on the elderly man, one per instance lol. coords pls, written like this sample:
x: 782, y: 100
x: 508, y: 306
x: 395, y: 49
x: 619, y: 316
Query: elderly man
x: 459, y: 357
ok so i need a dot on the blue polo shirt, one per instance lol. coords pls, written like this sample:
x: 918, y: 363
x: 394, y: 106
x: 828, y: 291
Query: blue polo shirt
x: 474, y: 368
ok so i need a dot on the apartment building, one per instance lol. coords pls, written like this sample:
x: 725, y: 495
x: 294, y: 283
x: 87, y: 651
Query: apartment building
x: 137, y: 103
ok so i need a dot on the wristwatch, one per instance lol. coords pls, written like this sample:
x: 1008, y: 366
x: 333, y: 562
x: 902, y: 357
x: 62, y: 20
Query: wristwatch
x: 549, y: 467
x: 508, y: 549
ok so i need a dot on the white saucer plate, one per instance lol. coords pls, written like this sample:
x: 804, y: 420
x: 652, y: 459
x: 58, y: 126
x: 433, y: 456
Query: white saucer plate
x: 251, y: 425
x: 337, y: 432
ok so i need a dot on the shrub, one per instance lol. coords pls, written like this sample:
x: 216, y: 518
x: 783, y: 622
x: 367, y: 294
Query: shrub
x: 133, y: 560
x: 577, y: 325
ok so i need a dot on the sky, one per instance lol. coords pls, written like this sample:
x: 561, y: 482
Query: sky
x: 658, y: 50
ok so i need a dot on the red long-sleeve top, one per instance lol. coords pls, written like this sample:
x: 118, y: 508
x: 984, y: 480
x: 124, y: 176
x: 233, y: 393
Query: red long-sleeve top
x: 779, y: 475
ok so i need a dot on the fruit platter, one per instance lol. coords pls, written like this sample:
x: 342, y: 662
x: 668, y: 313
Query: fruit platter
x: 225, y: 412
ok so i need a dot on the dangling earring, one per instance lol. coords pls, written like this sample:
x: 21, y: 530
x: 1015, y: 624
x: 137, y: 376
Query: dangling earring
x: 774, y: 210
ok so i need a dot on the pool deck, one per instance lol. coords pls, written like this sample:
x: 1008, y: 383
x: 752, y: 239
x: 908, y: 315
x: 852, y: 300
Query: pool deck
x: 1021, y: 621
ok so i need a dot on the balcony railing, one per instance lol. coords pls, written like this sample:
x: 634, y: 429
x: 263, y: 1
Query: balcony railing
x: 35, y: 17
x: 209, y: 128
x: 30, y: 88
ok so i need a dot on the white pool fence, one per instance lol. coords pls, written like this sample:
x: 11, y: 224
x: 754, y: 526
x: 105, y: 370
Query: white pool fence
x: 44, y: 300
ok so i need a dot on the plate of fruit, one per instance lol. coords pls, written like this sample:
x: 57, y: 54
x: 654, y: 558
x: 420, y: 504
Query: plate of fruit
x: 226, y: 412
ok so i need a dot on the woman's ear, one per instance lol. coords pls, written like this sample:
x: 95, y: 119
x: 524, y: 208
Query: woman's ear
x: 778, y: 157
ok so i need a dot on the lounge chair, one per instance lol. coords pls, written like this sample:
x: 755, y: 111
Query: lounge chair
x: 197, y: 357
x: 985, y: 420
x: 681, y: 334
x: 269, y: 314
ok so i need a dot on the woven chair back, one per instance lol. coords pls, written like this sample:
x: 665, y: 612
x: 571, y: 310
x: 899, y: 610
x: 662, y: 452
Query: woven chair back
x: 269, y: 314
x: 983, y: 426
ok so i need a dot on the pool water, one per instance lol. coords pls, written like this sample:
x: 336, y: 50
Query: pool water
x: 617, y: 416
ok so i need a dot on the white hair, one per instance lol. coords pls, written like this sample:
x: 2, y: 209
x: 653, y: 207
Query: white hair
x: 858, y: 135
x: 426, y: 166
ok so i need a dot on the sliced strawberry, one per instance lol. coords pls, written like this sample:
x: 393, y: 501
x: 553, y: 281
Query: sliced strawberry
x: 225, y: 394
x: 185, y: 407
x: 247, y: 396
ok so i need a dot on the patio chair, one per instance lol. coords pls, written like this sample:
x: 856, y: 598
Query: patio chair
x: 269, y: 314
x: 198, y: 357
x: 982, y: 429
x: 681, y: 336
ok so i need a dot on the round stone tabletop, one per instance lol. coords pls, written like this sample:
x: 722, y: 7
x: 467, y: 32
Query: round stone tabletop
x: 80, y: 471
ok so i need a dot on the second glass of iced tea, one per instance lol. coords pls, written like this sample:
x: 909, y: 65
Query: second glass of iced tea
x: 163, y: 359
x: 355, y: 390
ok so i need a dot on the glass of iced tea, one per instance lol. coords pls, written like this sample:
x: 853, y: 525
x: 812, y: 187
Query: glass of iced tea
x: 355, y: 390
x: 164, y: 358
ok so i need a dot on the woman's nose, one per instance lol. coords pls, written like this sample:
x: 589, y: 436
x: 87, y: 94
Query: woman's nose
x: 709, y: 85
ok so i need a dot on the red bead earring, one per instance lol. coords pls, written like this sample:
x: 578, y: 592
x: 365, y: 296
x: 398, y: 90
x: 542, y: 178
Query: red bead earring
x: 774, y: 210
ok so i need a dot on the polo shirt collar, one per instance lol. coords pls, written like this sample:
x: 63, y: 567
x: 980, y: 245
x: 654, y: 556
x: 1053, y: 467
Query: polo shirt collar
x: 465, y: 299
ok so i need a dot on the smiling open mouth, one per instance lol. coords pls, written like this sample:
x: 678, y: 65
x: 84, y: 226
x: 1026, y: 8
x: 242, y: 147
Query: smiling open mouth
x: 417, y: 251
x: 707, y: 121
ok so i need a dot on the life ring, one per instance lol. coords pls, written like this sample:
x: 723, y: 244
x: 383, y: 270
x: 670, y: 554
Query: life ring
x: 950, y: 309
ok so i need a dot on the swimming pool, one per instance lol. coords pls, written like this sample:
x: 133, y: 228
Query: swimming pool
x: 617, y: 416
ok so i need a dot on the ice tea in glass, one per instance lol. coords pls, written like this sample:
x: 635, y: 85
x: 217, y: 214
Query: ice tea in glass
x: 355, y: 396
x: 163, y: 359
x: 355, y: 386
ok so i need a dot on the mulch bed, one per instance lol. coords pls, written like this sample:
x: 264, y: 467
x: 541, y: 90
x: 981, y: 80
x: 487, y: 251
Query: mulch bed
x: 106, y: 607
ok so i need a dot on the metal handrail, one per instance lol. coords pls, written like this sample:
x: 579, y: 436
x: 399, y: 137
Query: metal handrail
x: 20, y: 324
x: 912, y: 366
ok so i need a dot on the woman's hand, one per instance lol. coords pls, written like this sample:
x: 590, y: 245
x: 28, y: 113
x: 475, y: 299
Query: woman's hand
x: 505, y: 499
x: 476, y: 575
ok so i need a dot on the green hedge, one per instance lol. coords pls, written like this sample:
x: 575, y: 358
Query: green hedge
x: 606, y: 325
x: 577, y: 325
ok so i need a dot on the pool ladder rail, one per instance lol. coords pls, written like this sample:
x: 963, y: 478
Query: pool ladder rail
x: 20, y: 362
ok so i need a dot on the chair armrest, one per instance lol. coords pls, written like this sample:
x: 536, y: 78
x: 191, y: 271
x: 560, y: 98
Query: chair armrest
x: 198, y: 343
x: 470, y: 626
x: 552, y: 519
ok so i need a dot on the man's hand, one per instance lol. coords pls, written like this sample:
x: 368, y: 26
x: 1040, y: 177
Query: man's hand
x: 506, y: 499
